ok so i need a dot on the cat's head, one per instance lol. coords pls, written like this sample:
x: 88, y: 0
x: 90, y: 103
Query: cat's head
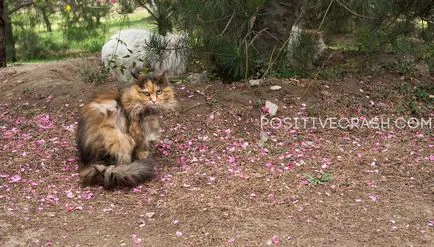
x: 153, y: 91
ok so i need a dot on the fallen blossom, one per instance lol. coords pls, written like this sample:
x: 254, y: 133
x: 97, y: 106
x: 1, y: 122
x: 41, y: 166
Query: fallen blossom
x: 15, y: 179
x: 178, y: 234
x: 231, y: 240
x: 88, y: 195
x: 373, y: 198
x: 137, y: 240
x: 44, y: 122
x: 69, y: 194
x: 275, y: 239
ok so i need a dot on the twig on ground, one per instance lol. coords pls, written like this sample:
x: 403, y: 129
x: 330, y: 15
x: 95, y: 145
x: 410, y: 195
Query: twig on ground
x: 189, y: 108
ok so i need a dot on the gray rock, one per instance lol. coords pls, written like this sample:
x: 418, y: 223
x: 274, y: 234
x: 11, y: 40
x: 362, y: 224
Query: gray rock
x: 256, y: 82
x: 275, y: 87
x: 197, y: 78
x: 272, y: 108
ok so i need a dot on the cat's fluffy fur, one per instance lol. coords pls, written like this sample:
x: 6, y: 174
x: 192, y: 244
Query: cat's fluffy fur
x: 118, y: 129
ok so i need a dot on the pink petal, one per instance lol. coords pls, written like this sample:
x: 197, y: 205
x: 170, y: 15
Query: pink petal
x: 373, y: 198
x: 275, y: 239
x: 137, y: 240
x: 69, y: 194
x: 88, y: 195
x: 15, y: 179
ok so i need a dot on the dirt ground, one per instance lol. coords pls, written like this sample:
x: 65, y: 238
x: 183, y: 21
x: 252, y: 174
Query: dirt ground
x: 217, y: 184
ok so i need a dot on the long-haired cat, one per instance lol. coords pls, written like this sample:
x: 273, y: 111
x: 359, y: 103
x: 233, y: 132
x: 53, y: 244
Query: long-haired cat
x: 118, y: 129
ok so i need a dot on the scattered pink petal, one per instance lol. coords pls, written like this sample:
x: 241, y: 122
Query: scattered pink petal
x: 44, y: 122
x: 265, y: 109
x: 69, y: 194
x: 275, y: 239
x: 373, y: 198
x: 431, y: 223
x: 231, y: 240
x: 88, y: 195
x: 178, y: 234
x: 431, y: 157
x: 15, y: 179
x: 137, y: 240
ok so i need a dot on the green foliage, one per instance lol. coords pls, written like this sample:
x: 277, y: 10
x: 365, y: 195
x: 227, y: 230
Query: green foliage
x: 320, y: 180
x: 82, y: 18
x: 220, y: 32
x: 403, y: 67
x: 93, y: 44
x: 302, y: 51
x: 332, y: 73
x: 90, y: 74
x: 30, y: 45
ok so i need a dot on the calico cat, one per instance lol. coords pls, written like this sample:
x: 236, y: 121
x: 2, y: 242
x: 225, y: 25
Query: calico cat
x: 117, y: 131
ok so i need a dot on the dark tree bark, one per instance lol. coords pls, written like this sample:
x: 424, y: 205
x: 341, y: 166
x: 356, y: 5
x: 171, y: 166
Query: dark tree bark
x: 46, y: 19
x: 2, y: 35
x: 11, y: 53
x: 275, y: 22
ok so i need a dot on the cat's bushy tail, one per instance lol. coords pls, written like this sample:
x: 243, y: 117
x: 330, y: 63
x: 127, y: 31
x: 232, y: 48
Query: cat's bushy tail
x: 110, y: 176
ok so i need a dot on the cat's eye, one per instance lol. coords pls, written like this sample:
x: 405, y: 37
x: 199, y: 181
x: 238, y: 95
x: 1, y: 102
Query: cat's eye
x: 159, y: 92
x: 146, y: 93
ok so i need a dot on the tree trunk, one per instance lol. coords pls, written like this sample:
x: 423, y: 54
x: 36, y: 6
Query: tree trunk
x: 274, y: 24
x: 2, y: 35
x: 46, y: 19
x: 11, y: 53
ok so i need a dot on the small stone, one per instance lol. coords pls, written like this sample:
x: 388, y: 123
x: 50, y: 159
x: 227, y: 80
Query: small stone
x: 431, y: 96
x: 198, y: 78
x: 264, y: 136
x: 275, y: 88
x: 150, y: 214
x: 272, y: 108
x: 256, y: 82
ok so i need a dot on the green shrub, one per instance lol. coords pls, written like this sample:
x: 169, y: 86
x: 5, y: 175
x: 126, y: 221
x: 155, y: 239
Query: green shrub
x: 90, y: 74
x: 92, y: 45
x: 31, y: 45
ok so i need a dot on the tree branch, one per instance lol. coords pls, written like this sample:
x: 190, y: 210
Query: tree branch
x: 20, y: 6
x: 354, y: 13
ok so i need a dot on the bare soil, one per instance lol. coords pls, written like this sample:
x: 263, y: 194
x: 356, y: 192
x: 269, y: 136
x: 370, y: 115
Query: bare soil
x: 216, y: 184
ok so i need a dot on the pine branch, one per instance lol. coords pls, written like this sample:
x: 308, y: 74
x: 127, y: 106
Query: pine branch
x: 325, y: 15
x: 354, y: 13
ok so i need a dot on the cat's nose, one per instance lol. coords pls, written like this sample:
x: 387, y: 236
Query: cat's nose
x: 154, y: 101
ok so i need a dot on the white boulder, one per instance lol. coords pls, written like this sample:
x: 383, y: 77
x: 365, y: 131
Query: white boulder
x: 128, y: 50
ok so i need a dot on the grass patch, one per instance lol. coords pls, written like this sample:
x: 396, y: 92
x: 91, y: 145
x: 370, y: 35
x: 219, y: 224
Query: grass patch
x: 319, y: 180
x: 35, y: 45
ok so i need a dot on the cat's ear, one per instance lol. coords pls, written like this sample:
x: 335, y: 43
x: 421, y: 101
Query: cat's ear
x: 139, y: 78
x: 135, y: 74
x: 163, y: 78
